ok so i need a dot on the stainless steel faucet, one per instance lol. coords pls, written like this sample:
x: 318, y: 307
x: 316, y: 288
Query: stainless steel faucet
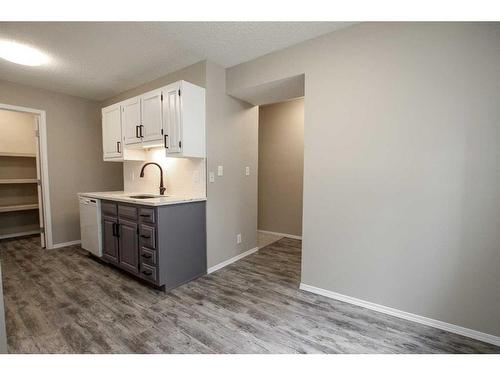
x: 162, y: 188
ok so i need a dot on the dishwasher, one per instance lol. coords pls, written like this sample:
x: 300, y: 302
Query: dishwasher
x: 90, y: 225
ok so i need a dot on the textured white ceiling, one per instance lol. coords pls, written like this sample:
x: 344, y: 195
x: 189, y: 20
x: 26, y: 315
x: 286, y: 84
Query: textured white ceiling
x: 97, y: 60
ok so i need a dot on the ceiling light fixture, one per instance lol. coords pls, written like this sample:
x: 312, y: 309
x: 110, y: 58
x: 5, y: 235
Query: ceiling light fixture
x: 22, y: 54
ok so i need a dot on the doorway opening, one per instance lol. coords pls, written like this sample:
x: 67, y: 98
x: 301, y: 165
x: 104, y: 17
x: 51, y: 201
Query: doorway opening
x: 280, y: 171
x: 24, y: 200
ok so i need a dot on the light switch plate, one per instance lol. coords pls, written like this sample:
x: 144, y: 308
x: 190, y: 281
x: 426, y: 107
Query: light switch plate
x: 220, y: 170
x: 211, y: 177
x: 238, y: 238
x: 247, y: 171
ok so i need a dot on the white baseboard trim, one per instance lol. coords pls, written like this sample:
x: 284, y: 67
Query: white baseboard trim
x: 232, y: 260
x: 481, y: 336
x: 64, y: 244
x: 281, y: 234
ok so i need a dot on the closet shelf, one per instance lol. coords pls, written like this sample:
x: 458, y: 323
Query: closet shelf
x: 18, y: 155
x: 19, y: 207
x: 18, y: 181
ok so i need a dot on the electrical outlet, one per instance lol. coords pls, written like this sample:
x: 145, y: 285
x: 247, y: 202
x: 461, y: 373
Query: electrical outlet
x: 211, y: 177
x: 247, y: 171
x: 220, y: 170
x: 196, y: 177
x: 238, y: 238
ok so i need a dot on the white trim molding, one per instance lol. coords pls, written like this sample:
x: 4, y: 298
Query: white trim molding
x: 64, y: 244
x: 232, y: 260
x: 281, y: 234
x: 481, y: 336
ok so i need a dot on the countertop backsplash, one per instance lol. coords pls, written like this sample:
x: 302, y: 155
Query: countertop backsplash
x: 182, y: 176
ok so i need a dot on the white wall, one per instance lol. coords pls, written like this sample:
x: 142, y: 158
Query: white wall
x: 401, y: 165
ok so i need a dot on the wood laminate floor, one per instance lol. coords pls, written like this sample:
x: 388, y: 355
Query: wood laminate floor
x: 63, y: 301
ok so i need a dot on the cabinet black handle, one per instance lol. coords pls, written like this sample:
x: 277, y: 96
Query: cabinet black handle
x: 147, y: 273
x: 118, y: 146
x: 114, y: 229
x: 144, y: 215
x: 137, y: 131
x: 165, y: 138
x: 147, y: 256
x: 144, y: 236
x: 140, y: 131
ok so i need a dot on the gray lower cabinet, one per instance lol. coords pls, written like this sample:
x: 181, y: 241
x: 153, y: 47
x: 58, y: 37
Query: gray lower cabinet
x: 164, y: 245
x: 110, y: 239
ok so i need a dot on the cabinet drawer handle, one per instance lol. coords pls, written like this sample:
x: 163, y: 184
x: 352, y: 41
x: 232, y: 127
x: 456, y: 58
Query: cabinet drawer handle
x: 147, y: 256
x: 118, y: 146
x: 114, y: 229
x: 147, y: 273
x: 144, y: 236
x: 165, y: 139
x: 137, y: 131
x: 140, y: 131
x: 144, y: 215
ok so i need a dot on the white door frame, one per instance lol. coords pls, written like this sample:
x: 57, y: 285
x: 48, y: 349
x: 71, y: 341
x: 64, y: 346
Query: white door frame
x: 42, y: 129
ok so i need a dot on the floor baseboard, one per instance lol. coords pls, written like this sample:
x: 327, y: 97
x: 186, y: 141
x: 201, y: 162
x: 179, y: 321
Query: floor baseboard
x: 281, y: 234
x: 232, y: 260
x: 64, y: 244
x: 481, y: 336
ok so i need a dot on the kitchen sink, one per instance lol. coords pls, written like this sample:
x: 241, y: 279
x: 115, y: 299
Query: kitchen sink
x: 145, y: 196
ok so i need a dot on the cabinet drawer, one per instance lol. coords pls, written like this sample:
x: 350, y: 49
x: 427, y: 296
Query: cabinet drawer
x: 147, y: 236
x: 149, y: 272
x: 108, y: 208
x: 128, y: 212
x: 147, y: 215
x: 148, y: 256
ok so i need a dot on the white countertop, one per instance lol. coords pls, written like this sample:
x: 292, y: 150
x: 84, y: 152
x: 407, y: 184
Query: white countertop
x: 158, y: 200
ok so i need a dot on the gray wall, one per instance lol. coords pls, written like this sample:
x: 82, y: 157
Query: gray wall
x: 232, y: 142
x: 281, y: 165
x: 74, y: 145
x: 401, y: 165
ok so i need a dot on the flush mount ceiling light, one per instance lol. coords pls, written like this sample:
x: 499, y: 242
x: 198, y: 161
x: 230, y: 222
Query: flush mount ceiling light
x: 22, y: 54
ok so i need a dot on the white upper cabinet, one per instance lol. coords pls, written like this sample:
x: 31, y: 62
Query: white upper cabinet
x: 171, y: 117
x: 184, y: 120
x: 151, y: 113
x: 112, y: 132
x: 131, y: 121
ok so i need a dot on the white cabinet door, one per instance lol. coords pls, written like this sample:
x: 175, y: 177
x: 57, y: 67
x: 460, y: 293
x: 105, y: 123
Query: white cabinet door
x: 151, y: 111
x: 131, y: 121
x: 112, y: 132
x: 172, y: 117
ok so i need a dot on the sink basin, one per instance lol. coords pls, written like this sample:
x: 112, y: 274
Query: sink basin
x: 145, y: 196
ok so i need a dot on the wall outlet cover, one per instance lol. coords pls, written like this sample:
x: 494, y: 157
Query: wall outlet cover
x: 211, y: 177
x: 238, y: 238
x: 247, y: 171
x: 220, y: 170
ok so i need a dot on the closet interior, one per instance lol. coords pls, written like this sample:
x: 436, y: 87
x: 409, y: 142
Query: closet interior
x: 20, y: 203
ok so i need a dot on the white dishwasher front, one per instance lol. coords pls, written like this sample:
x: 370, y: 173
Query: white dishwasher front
x: 90, y: 225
